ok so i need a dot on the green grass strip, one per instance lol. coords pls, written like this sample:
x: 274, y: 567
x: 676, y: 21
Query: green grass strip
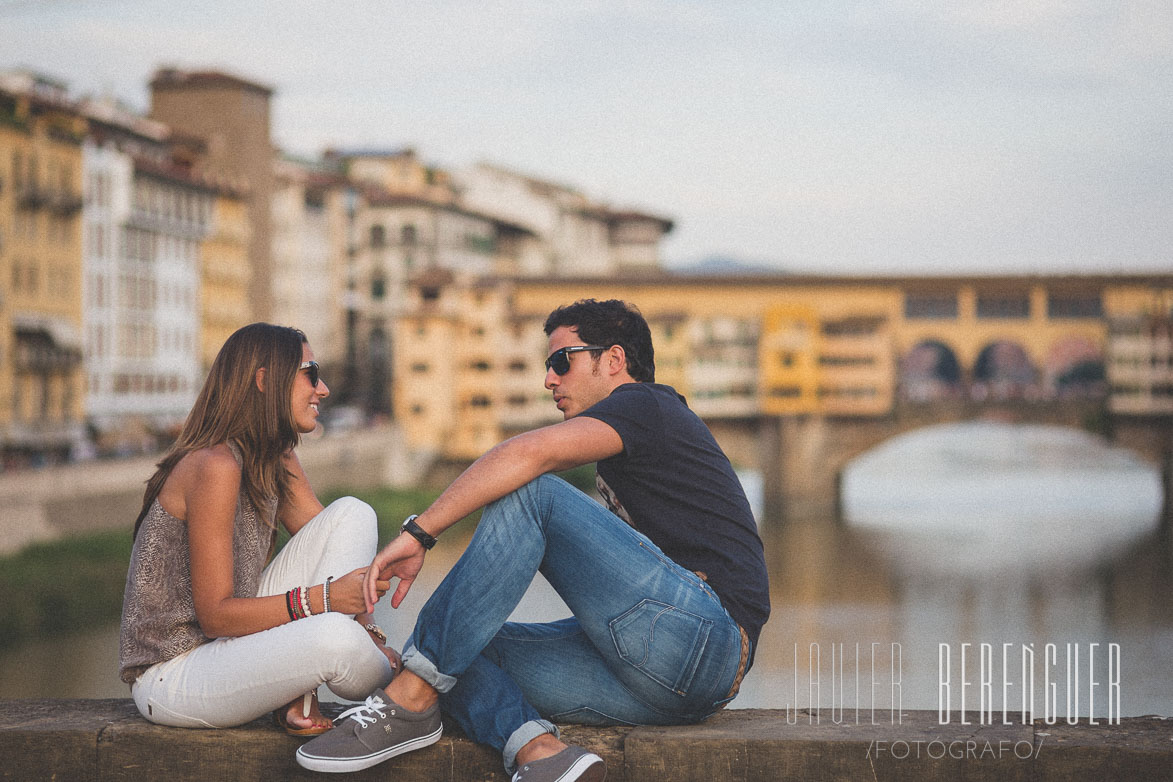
x: 64, y: 586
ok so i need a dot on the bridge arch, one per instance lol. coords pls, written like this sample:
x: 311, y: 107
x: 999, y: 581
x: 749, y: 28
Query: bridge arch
x: 1075, y: 368
x: 930, y: 370
x: 1004, y: 370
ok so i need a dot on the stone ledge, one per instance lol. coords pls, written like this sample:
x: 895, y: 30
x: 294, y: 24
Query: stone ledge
x: 99, y: 740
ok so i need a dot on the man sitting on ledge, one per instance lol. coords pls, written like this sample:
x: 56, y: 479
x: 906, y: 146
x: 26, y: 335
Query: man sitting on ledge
x: 668, y: 588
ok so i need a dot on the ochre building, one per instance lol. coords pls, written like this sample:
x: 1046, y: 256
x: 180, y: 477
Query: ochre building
x: 469, y: 355
x: 40, y: 270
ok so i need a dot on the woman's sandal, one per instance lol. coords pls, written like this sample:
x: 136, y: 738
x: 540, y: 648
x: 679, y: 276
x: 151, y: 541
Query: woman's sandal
x: 307, y: 702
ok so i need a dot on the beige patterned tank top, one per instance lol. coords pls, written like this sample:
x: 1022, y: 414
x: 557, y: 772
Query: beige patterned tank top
x: 158, y: 612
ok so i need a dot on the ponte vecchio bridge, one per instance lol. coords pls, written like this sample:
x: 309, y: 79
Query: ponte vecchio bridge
x: 798, y: 374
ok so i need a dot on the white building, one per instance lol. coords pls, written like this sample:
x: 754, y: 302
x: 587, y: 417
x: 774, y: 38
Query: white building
x: 144, y: 218
x: 1140, y: 365
x: 309, y: 248
x: 570, y: 235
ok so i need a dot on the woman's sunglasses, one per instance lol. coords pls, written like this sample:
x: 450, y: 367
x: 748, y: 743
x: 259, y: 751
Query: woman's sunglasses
x: 559, y: 360
x: 312, y: 370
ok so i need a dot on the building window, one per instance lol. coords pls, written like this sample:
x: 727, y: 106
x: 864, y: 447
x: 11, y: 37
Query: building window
x: 1074, y: 305
x: 408, y: 235
x: 485, y: 245
x: 927, y: 305
x: 996, y: 306
x: 861, y: 325
x: 378, y: 236
x: 847, y: 361
x: 378, y: 288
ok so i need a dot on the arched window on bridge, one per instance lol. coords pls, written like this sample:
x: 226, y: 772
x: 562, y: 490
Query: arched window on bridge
x: 1075, y: 368
x: 1004, y: 371
x: 930, y: 371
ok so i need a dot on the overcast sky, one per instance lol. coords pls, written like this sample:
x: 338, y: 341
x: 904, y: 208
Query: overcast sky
x: 810, y: 135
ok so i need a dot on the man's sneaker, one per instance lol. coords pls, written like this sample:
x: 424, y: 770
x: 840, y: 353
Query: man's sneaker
x: 572, y: 763
x: 370, y: 733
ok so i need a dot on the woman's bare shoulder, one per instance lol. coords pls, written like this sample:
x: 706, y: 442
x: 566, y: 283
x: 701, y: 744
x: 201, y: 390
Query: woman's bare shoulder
x: 214, y: 465
x: 198, y: 476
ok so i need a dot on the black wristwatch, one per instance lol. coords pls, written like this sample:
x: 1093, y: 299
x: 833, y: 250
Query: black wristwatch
x: 417, y: 532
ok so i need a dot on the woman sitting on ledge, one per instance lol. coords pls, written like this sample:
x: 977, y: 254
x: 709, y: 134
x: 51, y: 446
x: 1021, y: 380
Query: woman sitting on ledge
x: 210, y: 636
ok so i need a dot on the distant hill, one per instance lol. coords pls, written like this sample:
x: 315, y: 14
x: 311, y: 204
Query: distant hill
x: 718, y: 265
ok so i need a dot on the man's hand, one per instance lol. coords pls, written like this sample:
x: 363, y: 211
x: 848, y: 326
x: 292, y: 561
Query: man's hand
x: 402, y: 558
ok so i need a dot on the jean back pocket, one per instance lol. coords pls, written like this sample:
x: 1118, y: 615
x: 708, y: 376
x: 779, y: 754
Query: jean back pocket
x: 662, y: 642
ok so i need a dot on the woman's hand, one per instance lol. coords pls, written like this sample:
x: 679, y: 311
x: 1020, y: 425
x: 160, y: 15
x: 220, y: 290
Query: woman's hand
x: 346, y: 592
x: 391, y: 654
x: 402, y: 558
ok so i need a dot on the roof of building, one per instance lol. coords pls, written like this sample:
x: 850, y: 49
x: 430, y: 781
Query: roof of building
x: 903, y: 281
x: 377, y: 197
x: 175, y: 172
x: 370, y: 152
x: 624, y: 215
x: 38, y: 86
x: 116, y: 116
x: 168, y: 78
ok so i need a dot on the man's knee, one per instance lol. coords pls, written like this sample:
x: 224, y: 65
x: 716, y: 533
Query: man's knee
x: 527, y: 503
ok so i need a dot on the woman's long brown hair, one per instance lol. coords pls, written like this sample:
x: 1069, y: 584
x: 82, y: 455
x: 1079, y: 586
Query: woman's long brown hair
x: 230, y: 408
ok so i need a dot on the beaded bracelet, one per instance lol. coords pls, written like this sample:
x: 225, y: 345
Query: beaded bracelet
x: 305, y: 601
x: 289, y: 605
x: 326, y: 593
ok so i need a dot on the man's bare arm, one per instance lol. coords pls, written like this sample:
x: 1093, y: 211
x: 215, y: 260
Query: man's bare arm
x: 517, y: 461
x: 505, y: 468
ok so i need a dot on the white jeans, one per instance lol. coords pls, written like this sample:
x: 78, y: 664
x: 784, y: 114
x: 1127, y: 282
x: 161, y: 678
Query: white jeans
x: 231, y: 681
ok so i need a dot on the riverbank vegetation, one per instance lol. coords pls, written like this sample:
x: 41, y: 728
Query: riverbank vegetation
x: 65, y: 586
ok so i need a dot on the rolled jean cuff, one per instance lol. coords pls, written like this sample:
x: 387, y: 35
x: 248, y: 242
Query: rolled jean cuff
x: 425, y: 669
x: 522, y: 736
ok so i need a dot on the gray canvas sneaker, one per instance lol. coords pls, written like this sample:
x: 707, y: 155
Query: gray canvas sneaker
x: 370, y: 733
x: 572, y: 763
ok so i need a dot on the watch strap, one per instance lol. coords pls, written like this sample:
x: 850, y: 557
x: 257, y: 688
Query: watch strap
x: 417, y: 532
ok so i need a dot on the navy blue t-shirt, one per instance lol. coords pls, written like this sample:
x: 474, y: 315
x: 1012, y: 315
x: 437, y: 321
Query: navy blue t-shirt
x: 674, y: 484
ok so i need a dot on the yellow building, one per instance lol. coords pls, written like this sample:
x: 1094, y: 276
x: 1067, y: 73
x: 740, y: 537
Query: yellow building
x: 440, y: 350
x: 41, y: 135
x: 225, y: 272
x: 469, y: 361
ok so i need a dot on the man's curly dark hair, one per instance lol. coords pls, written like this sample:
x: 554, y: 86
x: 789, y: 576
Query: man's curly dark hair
x: 611, y: 322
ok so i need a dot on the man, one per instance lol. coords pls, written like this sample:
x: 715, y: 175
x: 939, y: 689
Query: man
x: 668, y: 588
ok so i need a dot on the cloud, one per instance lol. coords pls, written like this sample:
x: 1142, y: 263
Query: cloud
x: 830, y: 134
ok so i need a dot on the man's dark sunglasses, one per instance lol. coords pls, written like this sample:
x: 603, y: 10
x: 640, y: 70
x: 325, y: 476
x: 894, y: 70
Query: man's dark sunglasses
x: 312, y: 370
x: 559, y: 360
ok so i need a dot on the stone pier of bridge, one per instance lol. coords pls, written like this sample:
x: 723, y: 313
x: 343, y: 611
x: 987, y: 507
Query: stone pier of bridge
x: 802, y: 457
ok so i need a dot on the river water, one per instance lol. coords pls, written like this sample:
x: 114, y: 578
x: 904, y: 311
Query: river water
x: 1038, y: 557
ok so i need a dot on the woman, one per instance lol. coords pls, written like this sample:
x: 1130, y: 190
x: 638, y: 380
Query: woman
x: 210, y: 636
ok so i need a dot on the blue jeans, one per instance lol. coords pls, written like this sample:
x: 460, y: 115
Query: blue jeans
x: 649, y: 642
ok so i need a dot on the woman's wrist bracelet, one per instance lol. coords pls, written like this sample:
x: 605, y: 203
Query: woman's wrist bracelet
x: 326, y: 593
